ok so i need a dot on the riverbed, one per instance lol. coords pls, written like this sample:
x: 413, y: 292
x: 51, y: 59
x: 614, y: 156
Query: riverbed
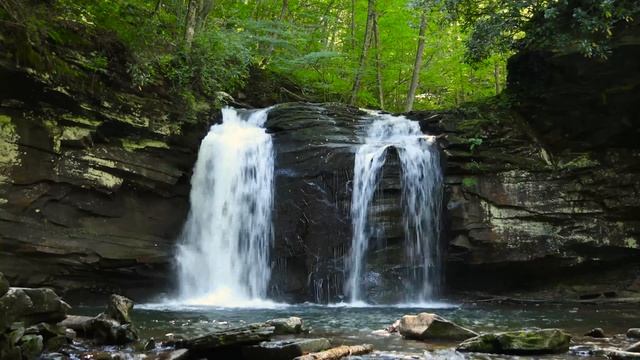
x: 344, y: 324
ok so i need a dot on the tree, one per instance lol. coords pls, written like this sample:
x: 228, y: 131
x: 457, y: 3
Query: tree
x: 417, y: 66
x: 379, y: 82
x: 363, y: 54
x: 500, y: 26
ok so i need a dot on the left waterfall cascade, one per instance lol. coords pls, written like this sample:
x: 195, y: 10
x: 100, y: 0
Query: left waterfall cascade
x: 223, y: 256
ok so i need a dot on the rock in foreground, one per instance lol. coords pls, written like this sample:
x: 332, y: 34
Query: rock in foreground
x: 633, y: 333
x: 525, y: 342
x: 285, y: 349
x: 287, y: 326
x: 244, y: 335
x: 426, y: 326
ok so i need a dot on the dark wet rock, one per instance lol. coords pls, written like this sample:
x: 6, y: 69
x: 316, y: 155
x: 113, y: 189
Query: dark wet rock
x: 595, y: 333
x: 31, y: 346
x: 4, y: 285
x: 110, y: 332
x: 285, y: 326
x: 150, y: 344
x: 426, y: 326
x: 119, y: 308
x: 32, y: 306
x: 633, y: 333
x: 525, y: 342
x: 285, y: 349
x: 101, y: 329
x: 56, y: 343
x: 633, y: 348
x: 234, y: 337
x: 622, y: 355
x: 77, y: 323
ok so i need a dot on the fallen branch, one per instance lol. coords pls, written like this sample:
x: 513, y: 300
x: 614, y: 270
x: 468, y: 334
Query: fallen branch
x: 338, y: 352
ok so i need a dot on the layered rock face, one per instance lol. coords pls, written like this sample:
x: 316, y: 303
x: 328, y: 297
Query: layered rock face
x: 94, y: 181
x: 315, y: 149
x: 547, y: 193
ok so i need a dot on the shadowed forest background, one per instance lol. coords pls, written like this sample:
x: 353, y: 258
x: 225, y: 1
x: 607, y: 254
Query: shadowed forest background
x: 394, y: 55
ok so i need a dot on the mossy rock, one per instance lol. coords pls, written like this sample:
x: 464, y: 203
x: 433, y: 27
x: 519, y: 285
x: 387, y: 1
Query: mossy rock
x: 32, y: 346
x: 525, y: 342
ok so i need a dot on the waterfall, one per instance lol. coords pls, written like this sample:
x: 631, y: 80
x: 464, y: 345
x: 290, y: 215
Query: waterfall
x: 224, y: 253
x: 421, y: 182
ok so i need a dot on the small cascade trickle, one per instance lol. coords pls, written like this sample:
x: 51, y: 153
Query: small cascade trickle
x: 223, y: 258
x: 421, y: 181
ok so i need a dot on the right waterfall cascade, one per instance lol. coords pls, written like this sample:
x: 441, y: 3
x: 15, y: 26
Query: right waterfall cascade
x: 421, y: 182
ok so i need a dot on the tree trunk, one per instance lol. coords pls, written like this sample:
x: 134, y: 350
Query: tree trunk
x: 364, y: 53
x: 376, y: 36
x: 204, y: 9
x: 285, y: 9
x: 496, y: 76
x: 353, y: 24
x: 338, y: 352
x: 158, y: 6
x: 190, y: 23
x: 418, y: 64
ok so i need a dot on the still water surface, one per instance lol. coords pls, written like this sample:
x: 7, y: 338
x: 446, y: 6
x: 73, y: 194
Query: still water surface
x: 354, y: 325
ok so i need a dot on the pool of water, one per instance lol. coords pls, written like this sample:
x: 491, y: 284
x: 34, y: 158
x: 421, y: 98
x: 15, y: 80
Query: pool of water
x: 356, y: 325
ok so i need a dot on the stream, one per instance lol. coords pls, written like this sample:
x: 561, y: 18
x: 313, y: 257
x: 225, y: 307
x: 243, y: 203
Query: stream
x: 355, y: 325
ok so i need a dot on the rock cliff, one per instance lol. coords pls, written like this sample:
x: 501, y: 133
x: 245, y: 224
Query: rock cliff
x: 541, y: 195
x: 94, y: 176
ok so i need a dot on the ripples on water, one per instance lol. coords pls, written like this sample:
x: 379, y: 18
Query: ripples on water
x: 345, y: 324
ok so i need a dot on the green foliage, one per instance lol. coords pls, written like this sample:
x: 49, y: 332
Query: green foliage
x: 306, y: 45
x: 469, y: 182
x: 474, y: 143
x: 500, y: 26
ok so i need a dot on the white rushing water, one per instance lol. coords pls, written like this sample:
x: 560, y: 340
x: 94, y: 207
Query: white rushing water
x: 224, y: 253
x: 421, y: 200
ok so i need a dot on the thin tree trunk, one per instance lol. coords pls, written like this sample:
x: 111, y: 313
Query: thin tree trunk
x: 190, y: 23
x: 496, y: 75
x: 204, y: 9
x: 418, y: 64
x: 353, y: 24
x: 376, y: 36
x: 285, y: 9
x: 158, y: 6
x: 364, y: 53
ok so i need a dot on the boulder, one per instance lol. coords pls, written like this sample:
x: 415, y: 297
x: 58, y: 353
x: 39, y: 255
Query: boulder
x: 251, y: 334
x: 31, y: 346
x: 633, y: 333
x: 81, y: 325
x: 596, y: 333
x: 426, y: 326
x: 32, y: 306
x: 110, y: 332
x: 287, y: 326
x: 285, y: 349
x: 635, y: 348
x: 102, y: 329
x: 524, y: 342
x: 119, y: 308
x: 4, y: 285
